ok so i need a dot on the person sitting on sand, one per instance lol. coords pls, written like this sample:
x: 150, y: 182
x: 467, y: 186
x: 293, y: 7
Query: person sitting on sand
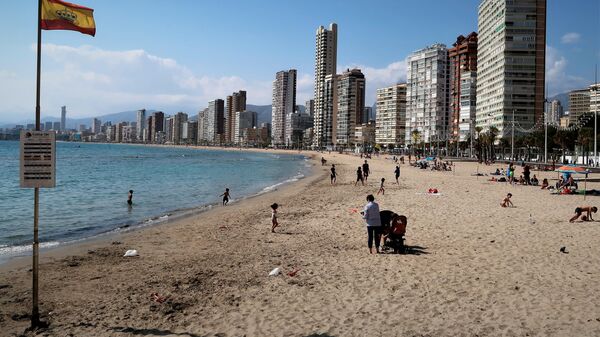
x: 506, y: 202
x: 521, y: 180
x: 534, y: 181
x: 381, y: 188
x: 580, y: 210
x: 359, y: 177
x: 274, y: 222
x: 545, y: 184
x: 497, y: 173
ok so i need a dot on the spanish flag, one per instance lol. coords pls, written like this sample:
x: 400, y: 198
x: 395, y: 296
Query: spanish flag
x: 60, y: 15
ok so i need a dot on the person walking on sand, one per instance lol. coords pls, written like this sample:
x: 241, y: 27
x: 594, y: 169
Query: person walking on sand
x: 381, y: 189
x: 130, y: 198
x: 333, y: 174
x: 397, y: 173
x: 323, y: 161
x: 274, y: 222
x: 225, y: 196
x: 373, y: 221
x: 580, y: 210
x: 506, y: 202
x: 359, y: 177
x: 366, y: 171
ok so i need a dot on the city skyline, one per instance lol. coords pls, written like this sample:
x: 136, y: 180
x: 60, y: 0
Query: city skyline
x: 106, y: 74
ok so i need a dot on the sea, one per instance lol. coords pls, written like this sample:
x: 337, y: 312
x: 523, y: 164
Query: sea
x: 93, y: 180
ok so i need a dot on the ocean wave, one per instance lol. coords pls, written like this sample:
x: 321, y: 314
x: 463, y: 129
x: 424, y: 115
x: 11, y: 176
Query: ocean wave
x: 19, y: 250
x: 291, y: 180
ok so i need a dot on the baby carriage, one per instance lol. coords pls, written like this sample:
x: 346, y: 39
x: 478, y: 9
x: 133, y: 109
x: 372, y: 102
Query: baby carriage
x: 393, y: 229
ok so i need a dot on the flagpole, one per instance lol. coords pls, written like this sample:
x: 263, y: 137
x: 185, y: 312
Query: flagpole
x: 35, y: 311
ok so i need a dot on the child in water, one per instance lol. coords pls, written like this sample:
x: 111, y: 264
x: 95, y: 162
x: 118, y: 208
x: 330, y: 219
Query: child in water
x: 506, y: 202
x: 381, y: 189
x: 274, y: 217
x: 130, y: 198
x: 225, y: 196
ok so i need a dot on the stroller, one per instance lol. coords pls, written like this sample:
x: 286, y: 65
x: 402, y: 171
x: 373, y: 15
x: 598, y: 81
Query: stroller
x: 393, y: 229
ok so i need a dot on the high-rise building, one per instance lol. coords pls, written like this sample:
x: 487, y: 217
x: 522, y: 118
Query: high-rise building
x: 63, y: 118
x: 202, y: 126
x: 215, y: 125
x: 468, y: 105
x: 325, y: 65
x: 141, y: 124
x: 158, y: 126
x: 511, y: 64
x: 56, y: 126
x: 235, y: 103
x: 555, y: 112
x: 350, y: 105
x: 243, y: 120
x: 329, y: 113
x: 390, y: 121
x: 189, y: 132
x: 364, y: 134
x: 148, y: 132
x: 309, y: 107
x: 48, y: 126
x: 427, y: 94
x: 463, y: 60
x: 284, y: 103
x: 295, y: 124
x: 579, y: 104
x: 169, y: 122
x: 177, y: 131
x: 367, y: 115
x: 96, y: 126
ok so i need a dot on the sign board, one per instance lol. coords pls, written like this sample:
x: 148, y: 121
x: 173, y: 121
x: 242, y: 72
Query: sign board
x: 38, y: 159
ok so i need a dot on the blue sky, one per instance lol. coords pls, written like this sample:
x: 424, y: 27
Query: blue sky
x: 178, y: 55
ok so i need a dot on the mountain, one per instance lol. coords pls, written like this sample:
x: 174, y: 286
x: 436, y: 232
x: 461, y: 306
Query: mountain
x: 263, y: 112
x: 73, y: 123
x: 563, y: 98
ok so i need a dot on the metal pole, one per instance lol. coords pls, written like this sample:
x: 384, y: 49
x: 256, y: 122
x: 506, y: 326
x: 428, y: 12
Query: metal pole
x: 35, y: 311
x: 596, y: 114
x: 512, y: 150
x: 546, y: 134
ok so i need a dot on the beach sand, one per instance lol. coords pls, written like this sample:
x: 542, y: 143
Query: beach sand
x: 475, y: 269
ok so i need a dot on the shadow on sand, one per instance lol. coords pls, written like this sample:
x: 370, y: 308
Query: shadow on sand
x: 151, y: 332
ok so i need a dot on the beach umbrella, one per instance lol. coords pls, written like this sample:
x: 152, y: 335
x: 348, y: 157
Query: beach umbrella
x: 572, y: 169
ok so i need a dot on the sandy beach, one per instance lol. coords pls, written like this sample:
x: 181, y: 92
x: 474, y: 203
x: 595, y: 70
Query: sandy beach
x: 474, y: 268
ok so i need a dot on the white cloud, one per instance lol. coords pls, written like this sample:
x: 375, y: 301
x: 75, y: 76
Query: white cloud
x: 93, y: 81
x: 557, y: 78
x: 570, y: 38
x: 377, y: 78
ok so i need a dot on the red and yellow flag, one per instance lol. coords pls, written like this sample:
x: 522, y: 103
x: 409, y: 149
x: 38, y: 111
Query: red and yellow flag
x: 60, y: 15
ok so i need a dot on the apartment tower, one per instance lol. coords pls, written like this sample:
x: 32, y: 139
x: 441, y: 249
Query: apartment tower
x: 511, y: 55
x: 390, y: 122
x: 235, y: 103
x: 63, y: 118
x: 427, y: 94
x: 579, y: 105
x: 325, y: 65
x: 215, y: 122
x: 141, y: 124
x: 284, y: 103
x: 463, y: 74
x: 350, y: 105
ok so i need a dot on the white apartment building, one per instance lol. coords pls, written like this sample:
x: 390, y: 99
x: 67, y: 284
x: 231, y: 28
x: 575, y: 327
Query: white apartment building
x: 325, y: 65
x: 427, y: 90
x: 243, y: 120
x: 468, y: 106
x: 511, y: 64
x: 390, y: 122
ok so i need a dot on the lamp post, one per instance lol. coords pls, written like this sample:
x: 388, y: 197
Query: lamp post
x: 512, y: 146
x: 546, y: 131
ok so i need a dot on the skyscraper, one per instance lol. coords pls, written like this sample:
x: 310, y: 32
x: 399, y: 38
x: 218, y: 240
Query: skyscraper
x: 243, y: 120
x: 284, y: 103
x: 350, y: 105
x: 63, y: 118
x: 215, y: 128
x: 96, y: 126
x: 463, y: 68
x: 325, y: 65
x: 555, y: 112
x: 177, y: 133
x: 579, y: 104
x: 427, y: 94
x: 158, y: 122
x: 309, y: 107
x: 511, y: 55
x: 141, y: 124
x: 235, y: 103
x: 390, y: 121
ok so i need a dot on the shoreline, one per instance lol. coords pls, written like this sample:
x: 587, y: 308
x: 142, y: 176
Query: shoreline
x: 62, y: 249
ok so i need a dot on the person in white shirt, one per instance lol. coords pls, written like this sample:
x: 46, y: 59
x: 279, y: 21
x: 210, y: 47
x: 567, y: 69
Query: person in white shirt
x: 373, y: 221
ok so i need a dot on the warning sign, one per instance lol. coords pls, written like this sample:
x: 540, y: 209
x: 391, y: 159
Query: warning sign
x: 38, y: 159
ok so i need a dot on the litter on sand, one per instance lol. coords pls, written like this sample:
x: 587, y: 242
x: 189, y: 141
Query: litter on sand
x: 275, y: 272
x: 131, y: 252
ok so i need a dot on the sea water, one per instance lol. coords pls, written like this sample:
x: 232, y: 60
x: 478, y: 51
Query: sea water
x: 93, y: 180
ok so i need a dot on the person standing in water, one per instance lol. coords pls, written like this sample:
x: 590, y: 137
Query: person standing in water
x: 225, y: 196
x: 130, y: 198
x: 365, y: 169
x: 333, y: 174
x: 397, y: 173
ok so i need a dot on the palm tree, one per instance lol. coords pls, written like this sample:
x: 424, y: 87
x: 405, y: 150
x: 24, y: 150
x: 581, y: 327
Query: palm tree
x: 415, y: 136
x: 478, y: 143
x: 493, y: 134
